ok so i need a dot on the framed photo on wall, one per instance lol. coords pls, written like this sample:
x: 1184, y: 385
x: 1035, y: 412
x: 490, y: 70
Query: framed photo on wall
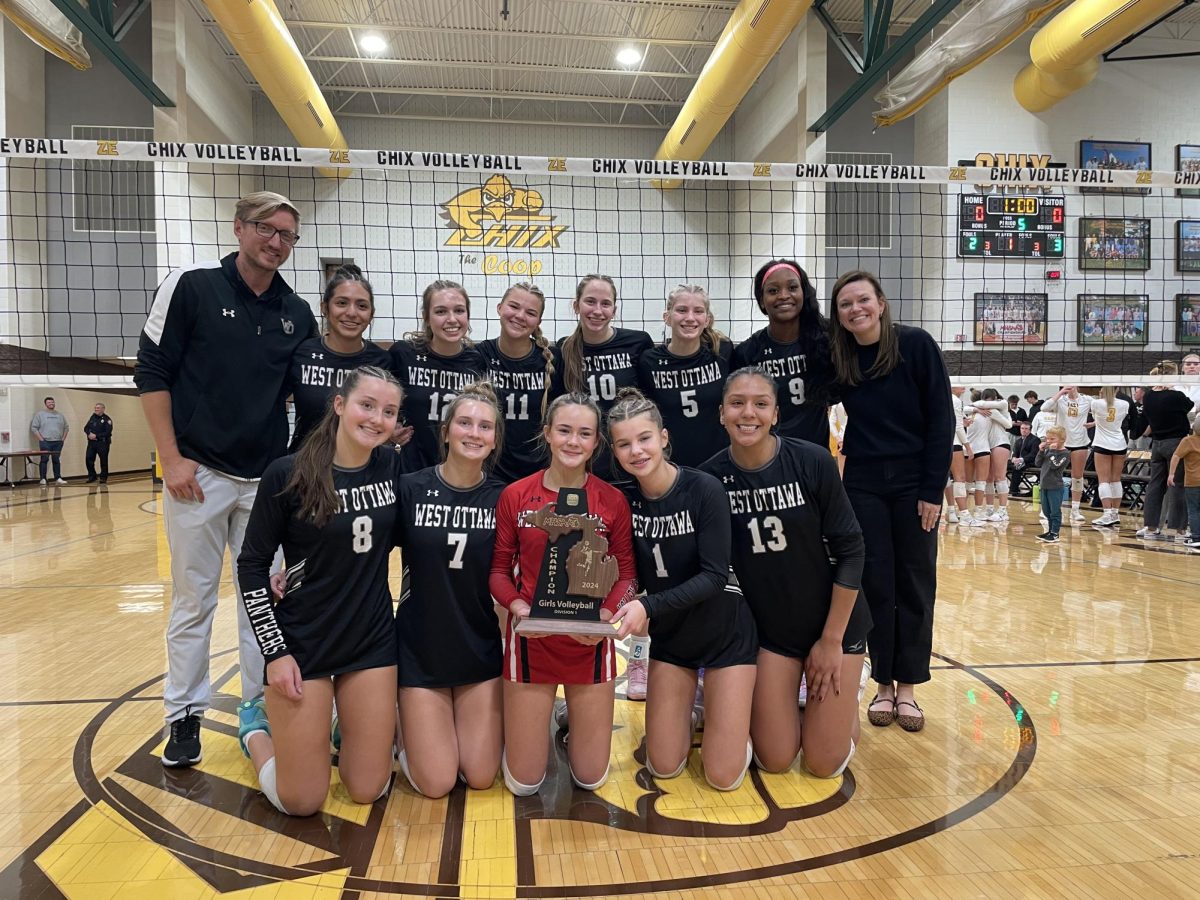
x: 1122, y: 156
x: 1187, y: 320
x: 1114, y: 244
x: 1187, y: 245
x: 1010, y: 318
x: 1187, y: 159
x: 1113, y: 319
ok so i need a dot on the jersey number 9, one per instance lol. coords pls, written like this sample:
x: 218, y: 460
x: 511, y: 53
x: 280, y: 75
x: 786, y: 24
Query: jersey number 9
x: 796, y: 389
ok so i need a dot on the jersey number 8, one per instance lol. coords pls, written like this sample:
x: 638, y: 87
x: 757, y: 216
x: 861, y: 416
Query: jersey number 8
x: 360, y: 530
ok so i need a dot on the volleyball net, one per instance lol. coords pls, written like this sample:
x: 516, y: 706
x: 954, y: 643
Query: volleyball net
x: 1024, y: 276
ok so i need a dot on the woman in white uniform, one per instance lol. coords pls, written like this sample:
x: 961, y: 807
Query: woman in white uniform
x: 995, y: 408
x: 1071, y: 410
x: 1108, y: 453
x: 956, y: 490
x: 979, y: 466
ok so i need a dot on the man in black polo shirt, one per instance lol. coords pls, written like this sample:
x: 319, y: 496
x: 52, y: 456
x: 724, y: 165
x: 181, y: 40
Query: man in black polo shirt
x: 211, y: 371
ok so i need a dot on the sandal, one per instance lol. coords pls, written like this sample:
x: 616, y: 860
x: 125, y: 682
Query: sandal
x: 881, y: 718
x: 910, y: 723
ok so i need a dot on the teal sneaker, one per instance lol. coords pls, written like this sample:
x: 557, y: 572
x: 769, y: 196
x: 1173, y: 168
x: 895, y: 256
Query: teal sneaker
x: 252, y: 717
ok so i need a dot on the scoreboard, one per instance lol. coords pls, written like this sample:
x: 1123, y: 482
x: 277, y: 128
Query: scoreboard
x: 1010, y: 225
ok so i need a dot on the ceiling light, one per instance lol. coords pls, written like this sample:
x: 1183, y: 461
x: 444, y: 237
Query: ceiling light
x: 372, y: 43
x: 629, y: 56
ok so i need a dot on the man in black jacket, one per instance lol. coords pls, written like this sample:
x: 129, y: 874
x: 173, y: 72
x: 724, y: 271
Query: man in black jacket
x: 212, y: 373
x: 99, y: 429
x: 1024, y: 454
x: 1165, y: 417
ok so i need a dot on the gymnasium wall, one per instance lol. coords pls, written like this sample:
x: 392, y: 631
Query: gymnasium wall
x: 131, y: 446
x: 1130, y: 101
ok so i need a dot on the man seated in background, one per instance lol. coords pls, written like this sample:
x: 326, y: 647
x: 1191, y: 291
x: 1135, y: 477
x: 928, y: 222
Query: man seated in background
x: 1024, y: 453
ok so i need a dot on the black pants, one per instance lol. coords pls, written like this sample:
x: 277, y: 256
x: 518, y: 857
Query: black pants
x: 900, y: 575
x: 94, y: 449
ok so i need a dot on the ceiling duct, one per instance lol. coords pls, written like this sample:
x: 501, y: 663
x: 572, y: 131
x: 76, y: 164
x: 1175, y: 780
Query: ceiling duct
x: 1065, y: 54
x: 978, y: 33
x: 755, y: 32
x: 261, y: 38
x: 48, y: 28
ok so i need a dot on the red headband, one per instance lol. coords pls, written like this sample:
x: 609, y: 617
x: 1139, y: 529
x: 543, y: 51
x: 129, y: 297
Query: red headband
x: 781, y: 265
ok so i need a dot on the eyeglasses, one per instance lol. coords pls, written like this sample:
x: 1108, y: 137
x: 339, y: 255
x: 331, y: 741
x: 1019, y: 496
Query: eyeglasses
x: 269, y: 231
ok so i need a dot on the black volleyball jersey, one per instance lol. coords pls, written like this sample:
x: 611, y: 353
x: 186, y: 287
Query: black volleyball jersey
x: 681, y: 541
x: 447, y: 633
x: 794, y: 537
x: 687, y: 391
x: 607, y: 368
x: 430, y: 383
x: 316, y: 374
x: 336, y: 613
x: 520, y: 385
x: 802, y: 412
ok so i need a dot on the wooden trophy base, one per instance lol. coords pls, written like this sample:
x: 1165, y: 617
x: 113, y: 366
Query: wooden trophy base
x: 564, y: 626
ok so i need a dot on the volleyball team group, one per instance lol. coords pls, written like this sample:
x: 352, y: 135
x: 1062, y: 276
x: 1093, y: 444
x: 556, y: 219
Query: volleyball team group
x: 748, y: 569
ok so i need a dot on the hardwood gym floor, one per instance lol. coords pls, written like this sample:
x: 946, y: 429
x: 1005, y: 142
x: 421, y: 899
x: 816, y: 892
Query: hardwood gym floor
x: 1060, y: 756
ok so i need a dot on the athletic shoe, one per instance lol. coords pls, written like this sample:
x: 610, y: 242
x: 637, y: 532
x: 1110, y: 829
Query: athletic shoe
x: 864, y: 679
x: 183, y: 747
x: 61, y: 481
x: 951, y: 517
x: 252, y: 717
x: 1182, y: 537
x: 1157, y: 536
x: 977, y: 522
x: 635, y: 679
x: 560, y: 715
x: 42, y: 482
x: 1193, y: 543
x: 803, y: 698
x: 1076, y: 517
x: 1048, y: 537
x: 1144, y: 532
x: 1105, y: 520
x: 997, y: 516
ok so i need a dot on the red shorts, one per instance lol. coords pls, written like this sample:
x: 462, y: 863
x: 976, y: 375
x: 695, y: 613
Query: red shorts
x: 558, y: 659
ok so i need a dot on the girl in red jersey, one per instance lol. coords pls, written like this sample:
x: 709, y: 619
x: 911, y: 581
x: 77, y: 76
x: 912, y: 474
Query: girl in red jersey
x: 534, y: 666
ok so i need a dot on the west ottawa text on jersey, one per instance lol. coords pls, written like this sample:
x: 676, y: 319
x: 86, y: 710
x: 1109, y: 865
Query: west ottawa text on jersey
x: 657, y: 527
x: 367, y: 496
x: 438, y: 515
x: 763, y: 499
x: 440, y: 378
x: 686, y: 378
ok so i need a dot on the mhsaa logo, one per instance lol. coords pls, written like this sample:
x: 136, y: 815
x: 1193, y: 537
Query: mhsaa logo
x: 496, y: 214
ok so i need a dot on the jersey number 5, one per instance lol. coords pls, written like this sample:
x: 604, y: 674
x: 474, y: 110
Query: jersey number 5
x: 773, y: 527
x: 360, y: 531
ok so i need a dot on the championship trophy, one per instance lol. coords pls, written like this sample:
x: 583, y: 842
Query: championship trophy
x: 577, y: 572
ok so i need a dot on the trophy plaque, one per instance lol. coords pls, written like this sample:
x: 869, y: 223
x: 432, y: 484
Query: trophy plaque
x: 577, y: 572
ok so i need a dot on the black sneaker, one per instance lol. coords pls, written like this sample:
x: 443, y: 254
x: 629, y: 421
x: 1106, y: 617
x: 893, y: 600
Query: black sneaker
x: 1048, y: 537
x: 183, y: 748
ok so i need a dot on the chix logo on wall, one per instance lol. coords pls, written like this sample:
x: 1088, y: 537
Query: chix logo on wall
x: 497, y: 214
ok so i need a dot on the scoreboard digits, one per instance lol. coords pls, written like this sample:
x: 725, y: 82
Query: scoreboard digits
x: 1006, y: 225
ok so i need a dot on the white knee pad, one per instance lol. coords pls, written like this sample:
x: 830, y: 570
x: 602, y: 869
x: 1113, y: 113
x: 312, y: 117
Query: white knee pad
x: 1001, y: 486
x: 840, y: 769
x: 402, y: 760
x: 657, y: 774
x: 516, y: 788
x: 981, y: 486
x: 1115, y: 490
x: 266, y: 783
x: 597, y: 785
x: 960, y: 490
x: 1102, y: 490
x: 737, y: 782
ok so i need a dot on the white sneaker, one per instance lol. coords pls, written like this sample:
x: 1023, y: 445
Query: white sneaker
x: 1105, y: 519
x: 1142, y: 532
x: 952, y: 517
x: 1182, y: 537
x: 42, y: 482
x: 977, y: 522
x: 998, y: 516
x: 61, y: 481
x: 1077, y: 517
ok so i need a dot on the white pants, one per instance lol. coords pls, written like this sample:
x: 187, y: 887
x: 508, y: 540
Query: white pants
x: 198, y: 534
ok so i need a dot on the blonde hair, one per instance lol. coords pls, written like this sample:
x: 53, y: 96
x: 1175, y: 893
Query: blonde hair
x: 709, y: 335
x: 1109, y: 393
x: 478, y: 392
x: 262, y: 205
x: 538, y: 338
x: 1056, y: 431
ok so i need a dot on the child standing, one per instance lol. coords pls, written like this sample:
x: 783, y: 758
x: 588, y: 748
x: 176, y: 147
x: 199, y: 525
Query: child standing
x: 1188, y: 453
x: 1052, y: 459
